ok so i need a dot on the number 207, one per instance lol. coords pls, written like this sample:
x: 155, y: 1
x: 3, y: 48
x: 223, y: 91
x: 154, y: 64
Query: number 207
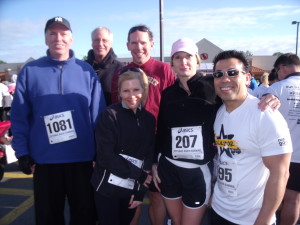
x: 186, y: 141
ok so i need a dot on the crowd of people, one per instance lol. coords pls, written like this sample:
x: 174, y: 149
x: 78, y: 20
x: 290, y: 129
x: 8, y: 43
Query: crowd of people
x: 7, y: 90
x: 102, y: 135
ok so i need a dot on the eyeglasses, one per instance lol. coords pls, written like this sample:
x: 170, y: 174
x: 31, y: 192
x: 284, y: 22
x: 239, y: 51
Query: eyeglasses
x: 133, y: 69
x: 230, y: 73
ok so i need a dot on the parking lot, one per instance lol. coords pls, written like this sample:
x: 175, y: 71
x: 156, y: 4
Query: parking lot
x: 16, y: 199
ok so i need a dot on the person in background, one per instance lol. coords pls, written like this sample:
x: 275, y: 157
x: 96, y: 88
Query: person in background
x: 253, y: 83
x: 272, y: 77
x: 160, y: 75
x: 60, y: 98
x: 185, y: 137
x: 4, y: 96
x: 125, y: 137
x: 254, y: 149
x: 14, y: 78
x: 287, y: 89
x: 103, y: 59
x: 7, y: 100
x: 263, y: 87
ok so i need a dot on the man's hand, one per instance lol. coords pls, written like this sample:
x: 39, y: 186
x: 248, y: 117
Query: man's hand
x: 26, y: 164
x: 269, y: 101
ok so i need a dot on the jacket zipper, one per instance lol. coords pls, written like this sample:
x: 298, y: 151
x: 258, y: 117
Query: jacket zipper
x: 60, y: 80
x: 101, y: 180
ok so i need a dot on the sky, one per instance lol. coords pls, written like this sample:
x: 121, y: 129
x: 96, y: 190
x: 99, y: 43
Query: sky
x: 262, y: 27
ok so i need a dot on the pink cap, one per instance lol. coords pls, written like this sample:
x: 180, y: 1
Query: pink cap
x: 184, y: 45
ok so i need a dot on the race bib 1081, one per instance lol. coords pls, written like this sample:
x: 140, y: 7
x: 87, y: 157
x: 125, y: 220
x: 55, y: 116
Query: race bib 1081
x: 60, y: 127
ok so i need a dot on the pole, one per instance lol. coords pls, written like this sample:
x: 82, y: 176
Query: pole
x: 161, y: 8
x: 297, y: 38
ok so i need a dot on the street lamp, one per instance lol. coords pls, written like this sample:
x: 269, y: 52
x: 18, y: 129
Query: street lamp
x: 296, y: 22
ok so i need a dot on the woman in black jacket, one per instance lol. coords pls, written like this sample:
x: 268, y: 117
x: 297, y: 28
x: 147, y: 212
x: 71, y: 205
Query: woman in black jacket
x: 125, y: 146
x: 185, y: 137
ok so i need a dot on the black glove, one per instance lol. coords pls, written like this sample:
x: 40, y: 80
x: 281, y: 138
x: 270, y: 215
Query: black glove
x: 25, y: 163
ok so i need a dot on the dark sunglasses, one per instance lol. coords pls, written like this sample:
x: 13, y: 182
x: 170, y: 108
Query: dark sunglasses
x: 230, y: 73
x: 133, y: 69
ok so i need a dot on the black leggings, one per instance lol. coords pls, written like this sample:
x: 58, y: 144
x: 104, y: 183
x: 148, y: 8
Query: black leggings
x: 113, y: 211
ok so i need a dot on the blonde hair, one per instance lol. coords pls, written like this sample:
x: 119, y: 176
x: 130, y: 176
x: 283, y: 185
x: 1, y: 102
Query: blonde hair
x: 264, y: 78
x: 197, y: 58
x: 135, y: 73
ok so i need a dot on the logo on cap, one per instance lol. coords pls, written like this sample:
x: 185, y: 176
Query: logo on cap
x: 58, y: 19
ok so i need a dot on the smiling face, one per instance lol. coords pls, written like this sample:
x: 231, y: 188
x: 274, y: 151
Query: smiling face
x: 184, y: 65
x: 131, y: 93
x: 139, y: 45
x: 101, y: 43
x: 232, y: 90
x: 59, y: 39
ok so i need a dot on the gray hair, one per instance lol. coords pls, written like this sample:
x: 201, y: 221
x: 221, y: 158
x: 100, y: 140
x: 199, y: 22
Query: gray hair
x: 103, y: 28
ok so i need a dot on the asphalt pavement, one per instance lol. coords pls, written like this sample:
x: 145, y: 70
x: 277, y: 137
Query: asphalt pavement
x: 16, y: 199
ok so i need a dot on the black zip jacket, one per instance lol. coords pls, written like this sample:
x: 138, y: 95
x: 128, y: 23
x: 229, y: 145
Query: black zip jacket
x: 120, y: 131
x: 105, y: 71
x: 178, y: 109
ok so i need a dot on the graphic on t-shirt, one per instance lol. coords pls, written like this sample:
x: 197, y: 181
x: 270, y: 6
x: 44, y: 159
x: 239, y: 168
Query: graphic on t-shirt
x: 225, y: 143
x: 152, y: 81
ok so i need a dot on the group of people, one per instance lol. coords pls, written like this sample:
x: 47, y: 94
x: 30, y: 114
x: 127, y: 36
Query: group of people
x: 7, y: 89
x: 101, y: 135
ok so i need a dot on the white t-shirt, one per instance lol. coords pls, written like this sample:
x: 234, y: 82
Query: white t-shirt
x: 243, y: 137
x: 3, y: 92
x: 259, y: 91
x: 288, y: 92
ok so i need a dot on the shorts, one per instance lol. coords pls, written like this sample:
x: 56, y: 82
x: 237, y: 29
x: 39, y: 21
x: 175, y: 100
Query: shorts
x: 216, y: 219
x: 294, y: 181
x: 192, y: 185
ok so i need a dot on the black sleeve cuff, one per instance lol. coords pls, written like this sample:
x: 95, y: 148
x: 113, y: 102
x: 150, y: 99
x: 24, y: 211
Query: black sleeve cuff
x: 142, y: 177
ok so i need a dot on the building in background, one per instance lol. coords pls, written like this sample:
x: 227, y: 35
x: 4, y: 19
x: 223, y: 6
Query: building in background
x: 207, y: 52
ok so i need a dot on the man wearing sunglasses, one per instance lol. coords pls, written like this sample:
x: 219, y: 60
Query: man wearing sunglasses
x: 254, y: 149
x: 160, y: 76
x: 288, y: 91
